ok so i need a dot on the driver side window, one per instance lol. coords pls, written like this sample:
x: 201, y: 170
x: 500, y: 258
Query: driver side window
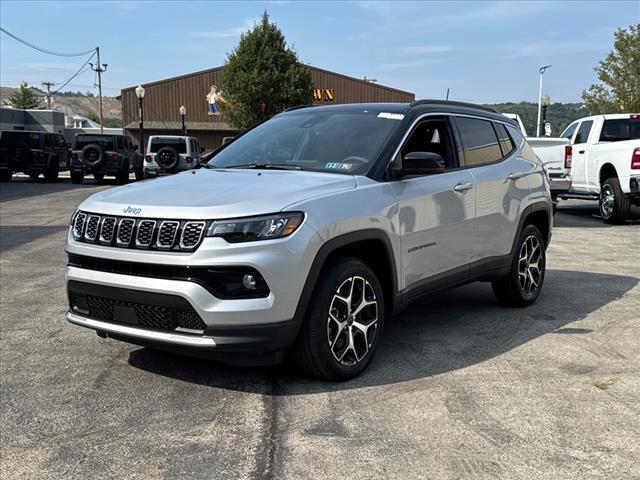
x: 434, y: 136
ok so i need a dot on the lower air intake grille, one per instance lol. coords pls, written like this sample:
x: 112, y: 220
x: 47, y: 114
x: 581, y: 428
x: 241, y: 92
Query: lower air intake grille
x: 154, y: 317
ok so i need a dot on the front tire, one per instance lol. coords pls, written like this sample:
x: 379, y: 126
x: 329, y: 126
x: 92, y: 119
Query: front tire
x: 522, y: 285
x: 614, y: 205
x: 343, y: 323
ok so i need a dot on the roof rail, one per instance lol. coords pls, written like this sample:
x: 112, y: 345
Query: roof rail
x: 297, y: 107
x: 453, y: 103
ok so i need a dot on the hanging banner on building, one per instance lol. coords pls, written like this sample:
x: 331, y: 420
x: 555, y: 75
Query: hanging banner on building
x: 214, y: 97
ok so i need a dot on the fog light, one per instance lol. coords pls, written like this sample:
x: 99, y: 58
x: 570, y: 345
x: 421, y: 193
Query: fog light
x: 249, y: 282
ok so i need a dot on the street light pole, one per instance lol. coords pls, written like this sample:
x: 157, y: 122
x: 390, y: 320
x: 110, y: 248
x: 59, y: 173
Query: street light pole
x: 140, y: 95
x: 542, y: 70
x: 183, y: 113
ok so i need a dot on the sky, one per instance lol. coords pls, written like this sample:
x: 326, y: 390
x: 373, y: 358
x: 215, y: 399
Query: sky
x: 484, y: 52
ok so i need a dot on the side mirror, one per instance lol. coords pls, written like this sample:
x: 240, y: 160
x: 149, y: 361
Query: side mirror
x: 201, y: 149
x: 419, y: 163
x: 135, y: 147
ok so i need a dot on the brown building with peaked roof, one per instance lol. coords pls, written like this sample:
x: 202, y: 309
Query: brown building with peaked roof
x: 162, y: 100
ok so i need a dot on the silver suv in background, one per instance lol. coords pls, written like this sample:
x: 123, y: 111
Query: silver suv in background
x: 308, y: 231
x: 171, y: 154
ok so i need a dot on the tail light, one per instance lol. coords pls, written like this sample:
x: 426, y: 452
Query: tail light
x: 635, y: 116
x: 188, y: 159
x: 568, y: 155
x: 147, y: 158
x: 115, y: 156
x: 635, y: 159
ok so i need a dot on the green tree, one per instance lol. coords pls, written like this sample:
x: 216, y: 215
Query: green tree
x: 262, y: 76
x: 619, y: 73
x: 24, y: 97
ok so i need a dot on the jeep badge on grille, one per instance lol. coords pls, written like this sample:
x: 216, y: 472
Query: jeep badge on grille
x: 131, y: 210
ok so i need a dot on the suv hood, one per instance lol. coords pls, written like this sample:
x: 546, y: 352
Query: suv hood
x: 223, y: 193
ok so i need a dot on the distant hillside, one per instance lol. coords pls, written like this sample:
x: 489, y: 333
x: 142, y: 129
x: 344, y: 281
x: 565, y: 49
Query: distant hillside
x: 558, y: 114
x: 78, y: 104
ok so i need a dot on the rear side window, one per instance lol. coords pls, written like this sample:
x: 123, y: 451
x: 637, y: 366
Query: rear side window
x: 506, y: 144
x: 479, y: 140
x: 620, y: 129
x: 583, y: 132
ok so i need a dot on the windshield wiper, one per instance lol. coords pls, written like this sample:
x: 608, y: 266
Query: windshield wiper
x: 268, y: 166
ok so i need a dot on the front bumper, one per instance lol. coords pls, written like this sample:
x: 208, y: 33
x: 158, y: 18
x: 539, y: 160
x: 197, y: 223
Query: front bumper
x: 229, y: 326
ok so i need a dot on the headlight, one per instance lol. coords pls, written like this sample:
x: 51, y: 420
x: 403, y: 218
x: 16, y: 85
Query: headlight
x: 250, y: 229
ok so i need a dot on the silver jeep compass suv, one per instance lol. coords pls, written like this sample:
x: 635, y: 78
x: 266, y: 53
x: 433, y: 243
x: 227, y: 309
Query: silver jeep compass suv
x: 305, y: 233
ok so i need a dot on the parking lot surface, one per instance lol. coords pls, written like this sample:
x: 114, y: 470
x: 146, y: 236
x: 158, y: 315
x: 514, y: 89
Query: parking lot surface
x: 460, y: 388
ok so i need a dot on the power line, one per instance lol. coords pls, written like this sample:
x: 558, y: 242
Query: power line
x: 80, y: 70
x: 44, y: 50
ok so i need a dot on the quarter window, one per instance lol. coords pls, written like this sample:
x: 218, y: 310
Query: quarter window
x: 506, y: 144
x: 583, y: 132
x: 479, y: 140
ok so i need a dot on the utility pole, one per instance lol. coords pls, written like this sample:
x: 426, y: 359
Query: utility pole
x: 99, y: 68
x: 48, y: 85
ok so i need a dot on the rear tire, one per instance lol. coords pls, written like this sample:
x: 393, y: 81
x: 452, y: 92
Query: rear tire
x: 77, y: 177
x: 5, y: 175
x: 522, y: 285
x: 139, y: 172
x: 338, y: 338
x: 614, y: 205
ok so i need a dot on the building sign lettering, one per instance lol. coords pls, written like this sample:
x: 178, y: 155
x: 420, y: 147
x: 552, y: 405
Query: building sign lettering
x: 323, y: 94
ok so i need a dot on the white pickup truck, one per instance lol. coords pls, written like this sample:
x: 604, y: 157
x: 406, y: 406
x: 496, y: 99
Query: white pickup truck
x: 555, y: 154
x: 606, y: 162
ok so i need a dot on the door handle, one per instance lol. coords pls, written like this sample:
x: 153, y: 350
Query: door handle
x: 580, y: 151
x: 463, y: 186
x: 516, y: 176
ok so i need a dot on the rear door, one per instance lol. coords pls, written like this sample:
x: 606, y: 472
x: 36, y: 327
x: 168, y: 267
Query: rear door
x: 499, y: 175
x: 435, y: 211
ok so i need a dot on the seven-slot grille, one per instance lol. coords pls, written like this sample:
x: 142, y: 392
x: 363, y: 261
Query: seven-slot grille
x: 145, y: 233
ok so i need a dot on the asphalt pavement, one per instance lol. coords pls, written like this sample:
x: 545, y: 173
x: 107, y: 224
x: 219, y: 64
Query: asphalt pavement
x: 460, y: 388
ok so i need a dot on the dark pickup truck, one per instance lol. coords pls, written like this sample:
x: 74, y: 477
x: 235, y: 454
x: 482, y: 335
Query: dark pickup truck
x: 102, y: 154
x: 33, y: 153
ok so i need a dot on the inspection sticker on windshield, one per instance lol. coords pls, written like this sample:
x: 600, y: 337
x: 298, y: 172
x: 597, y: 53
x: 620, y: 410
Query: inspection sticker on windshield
x: 339, y: 166
x: 391, y: 116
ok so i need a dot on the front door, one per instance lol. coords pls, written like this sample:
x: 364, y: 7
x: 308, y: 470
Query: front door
x: 579, y: 167
x: 435, y: 211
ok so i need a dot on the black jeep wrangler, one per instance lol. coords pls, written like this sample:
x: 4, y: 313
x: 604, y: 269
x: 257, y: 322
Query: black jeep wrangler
x: 32, y: 153
x: 102, y: 154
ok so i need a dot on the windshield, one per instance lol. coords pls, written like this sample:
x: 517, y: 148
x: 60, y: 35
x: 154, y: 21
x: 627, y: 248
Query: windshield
x: 179, y: 144
x: 105, y: 141
x: 313, y: 139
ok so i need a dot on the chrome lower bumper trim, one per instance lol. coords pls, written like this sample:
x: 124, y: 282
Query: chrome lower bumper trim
x: 171, y: 338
